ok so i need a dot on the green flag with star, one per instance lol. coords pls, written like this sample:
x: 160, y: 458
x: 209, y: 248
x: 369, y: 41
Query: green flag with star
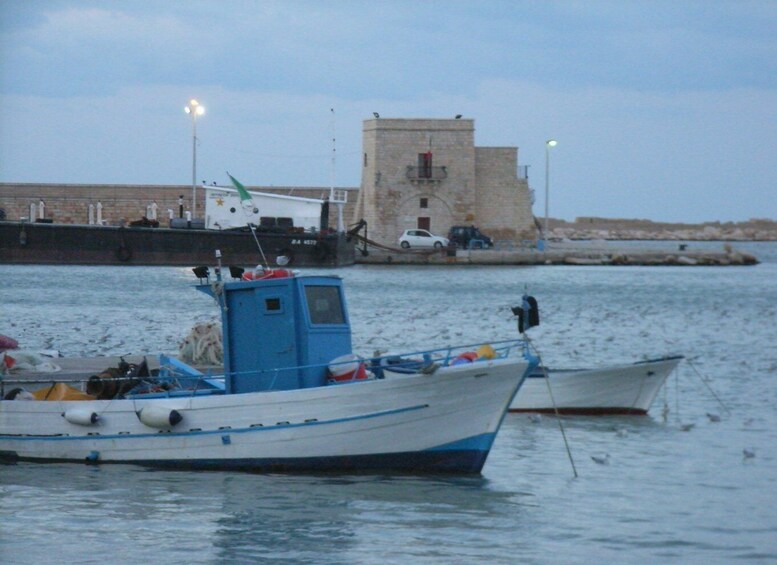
x: 245, y: 198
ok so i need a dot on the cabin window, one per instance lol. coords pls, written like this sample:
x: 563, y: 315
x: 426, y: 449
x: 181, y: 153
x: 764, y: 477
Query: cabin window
x: 272, y: 305
x: 324, y: 305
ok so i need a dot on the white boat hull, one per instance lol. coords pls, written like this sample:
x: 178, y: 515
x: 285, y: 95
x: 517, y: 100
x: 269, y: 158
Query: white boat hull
x: 621, y: 389
x: 444, y: 422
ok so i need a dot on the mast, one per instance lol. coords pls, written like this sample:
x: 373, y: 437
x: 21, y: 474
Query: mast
x: 338, y: 197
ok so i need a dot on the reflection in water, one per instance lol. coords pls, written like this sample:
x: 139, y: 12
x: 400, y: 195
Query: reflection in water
x: 244, y: 517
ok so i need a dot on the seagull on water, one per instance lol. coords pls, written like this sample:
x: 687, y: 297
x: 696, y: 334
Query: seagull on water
x: 713, y: 417
x: 535, y: 418
x: 687, y: 427
x: 748, y: 453
x: 601, y: 460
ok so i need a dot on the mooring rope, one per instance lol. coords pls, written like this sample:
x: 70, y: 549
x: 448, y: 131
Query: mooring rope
x: 553, y: 401
x: 704, y: 381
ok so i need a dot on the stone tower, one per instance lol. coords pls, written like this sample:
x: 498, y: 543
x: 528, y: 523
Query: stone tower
x: 426, y: 173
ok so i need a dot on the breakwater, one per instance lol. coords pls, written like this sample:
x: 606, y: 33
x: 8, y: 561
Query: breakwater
x: 571, y: 253
x: 615, y: 229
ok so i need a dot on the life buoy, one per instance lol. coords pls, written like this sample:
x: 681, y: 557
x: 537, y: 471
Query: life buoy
x: 123, y: 253
x: 267, y: 274
x: 321, y: 251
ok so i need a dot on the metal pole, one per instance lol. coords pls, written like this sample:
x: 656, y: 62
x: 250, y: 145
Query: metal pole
x: 548, y: 144
x: 194, y: 164
x: 194, y: 108
x: 547, y: 186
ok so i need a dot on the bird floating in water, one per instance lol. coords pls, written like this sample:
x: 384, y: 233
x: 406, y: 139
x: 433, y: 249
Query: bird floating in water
x: 601, y: 460
x: 748, y: 453
x: 687, y: 427
x: 621, y: 432
x: 535, y: 418
x: 713, y: 417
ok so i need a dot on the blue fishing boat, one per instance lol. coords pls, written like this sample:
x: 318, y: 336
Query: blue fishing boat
x: 293, y: 397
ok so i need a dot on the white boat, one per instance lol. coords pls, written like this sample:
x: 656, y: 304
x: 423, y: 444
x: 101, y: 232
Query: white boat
x: 282, y: 403
x: 619, y: 389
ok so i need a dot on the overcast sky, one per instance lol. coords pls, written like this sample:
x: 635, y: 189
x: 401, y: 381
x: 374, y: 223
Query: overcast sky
x: 662, y: 110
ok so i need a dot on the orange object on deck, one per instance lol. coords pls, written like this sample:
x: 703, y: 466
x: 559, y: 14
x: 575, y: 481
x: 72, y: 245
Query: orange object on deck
x: 61, y: 391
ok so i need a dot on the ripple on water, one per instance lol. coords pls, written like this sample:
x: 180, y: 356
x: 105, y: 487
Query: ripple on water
x: 666, y: 494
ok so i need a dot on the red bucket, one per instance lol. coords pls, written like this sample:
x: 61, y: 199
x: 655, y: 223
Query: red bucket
x: 347, y: 368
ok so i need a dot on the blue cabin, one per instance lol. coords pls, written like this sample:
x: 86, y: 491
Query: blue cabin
x: 280, y: 333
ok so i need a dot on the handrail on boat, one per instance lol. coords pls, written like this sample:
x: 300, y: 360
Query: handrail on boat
x: 175, y: 378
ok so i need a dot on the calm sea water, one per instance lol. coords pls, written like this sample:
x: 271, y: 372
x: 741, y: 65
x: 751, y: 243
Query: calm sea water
x: 666, y: 496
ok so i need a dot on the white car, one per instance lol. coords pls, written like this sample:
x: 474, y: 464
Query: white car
x: 421, y: 238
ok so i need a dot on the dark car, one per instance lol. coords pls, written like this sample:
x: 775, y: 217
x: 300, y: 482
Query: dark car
x: 469, y: 237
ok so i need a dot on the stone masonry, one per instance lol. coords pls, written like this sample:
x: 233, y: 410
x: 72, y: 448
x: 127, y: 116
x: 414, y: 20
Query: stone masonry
x: 123, y: 203
x: 428, y: 172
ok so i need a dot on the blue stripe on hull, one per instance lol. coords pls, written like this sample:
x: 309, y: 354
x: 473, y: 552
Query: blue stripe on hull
x: 465, y: 457
x: 483, y: 442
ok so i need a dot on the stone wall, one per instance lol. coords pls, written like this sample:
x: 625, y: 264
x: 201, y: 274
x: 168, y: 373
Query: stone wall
x: 503, y: 201
x: 69, y: 203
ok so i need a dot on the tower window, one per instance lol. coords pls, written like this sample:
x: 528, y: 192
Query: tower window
x: 425, y: 165
x: 424, y: 203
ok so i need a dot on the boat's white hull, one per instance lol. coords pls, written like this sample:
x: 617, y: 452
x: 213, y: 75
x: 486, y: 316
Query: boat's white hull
x: 444, y: 422
x: 621, y: 389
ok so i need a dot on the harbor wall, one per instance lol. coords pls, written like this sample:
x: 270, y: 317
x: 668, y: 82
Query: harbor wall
x: 122, y: 203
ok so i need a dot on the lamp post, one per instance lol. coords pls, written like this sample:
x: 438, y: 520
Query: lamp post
x: 194, y: 109
x: 548, y: 144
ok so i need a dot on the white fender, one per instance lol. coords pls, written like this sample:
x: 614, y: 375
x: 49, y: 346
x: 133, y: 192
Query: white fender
x: 81, y: 416
x: 159, y: 416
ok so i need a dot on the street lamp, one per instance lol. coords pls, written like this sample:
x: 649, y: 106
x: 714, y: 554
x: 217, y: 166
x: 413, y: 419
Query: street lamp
x: 548, y: 144
x: 195, y: 110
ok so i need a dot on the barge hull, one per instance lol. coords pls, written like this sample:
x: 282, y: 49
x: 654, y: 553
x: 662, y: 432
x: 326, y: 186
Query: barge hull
x: 70, y: 244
